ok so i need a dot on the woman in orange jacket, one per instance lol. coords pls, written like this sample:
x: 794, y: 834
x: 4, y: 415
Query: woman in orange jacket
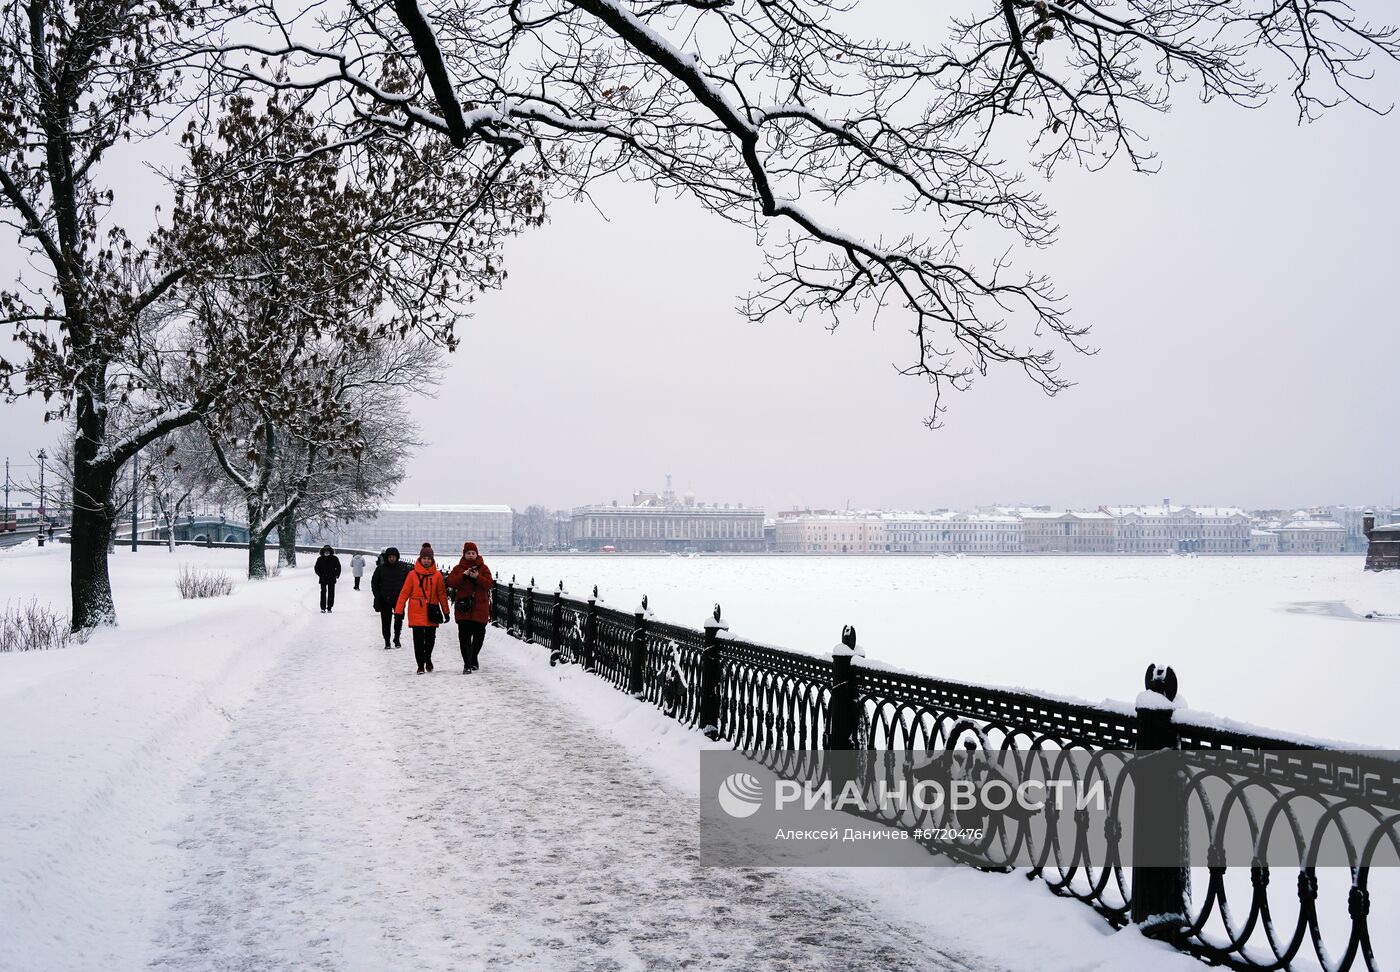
x: 422, y: 592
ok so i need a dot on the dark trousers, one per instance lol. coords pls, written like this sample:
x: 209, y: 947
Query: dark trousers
x: 327, y: 595
x: 385, y: 618
x: 470, y: 635
x: 357, y: 582
x: 423, y: 640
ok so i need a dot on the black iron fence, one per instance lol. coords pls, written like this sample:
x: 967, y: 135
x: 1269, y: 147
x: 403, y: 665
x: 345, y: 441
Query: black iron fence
x: 767, y: 700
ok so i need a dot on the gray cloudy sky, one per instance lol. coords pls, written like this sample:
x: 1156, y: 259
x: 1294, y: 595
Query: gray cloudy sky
x: 1243, y: 303
x: 1242, y: 300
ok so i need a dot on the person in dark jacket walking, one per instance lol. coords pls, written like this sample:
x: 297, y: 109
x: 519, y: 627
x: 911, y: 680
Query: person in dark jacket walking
x: 470, y: 586
x: 328, y: 570
x: 385, y: 584
x: 425, y: 598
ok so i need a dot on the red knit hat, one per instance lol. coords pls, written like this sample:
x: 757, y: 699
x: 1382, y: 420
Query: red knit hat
x: 427, y: 551
x: 469, y: 546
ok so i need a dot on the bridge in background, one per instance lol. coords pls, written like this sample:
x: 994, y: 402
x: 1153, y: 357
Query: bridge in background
x: 191, y: 529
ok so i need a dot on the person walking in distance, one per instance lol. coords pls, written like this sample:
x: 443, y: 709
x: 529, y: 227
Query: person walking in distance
x: 425, y: 598
x: 470, y: 583
x: 385, y: 584
x: 357, y: 568
x: 328, y: 572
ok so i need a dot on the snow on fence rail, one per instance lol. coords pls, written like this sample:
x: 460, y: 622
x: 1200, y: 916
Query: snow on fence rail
x: 773, y: 703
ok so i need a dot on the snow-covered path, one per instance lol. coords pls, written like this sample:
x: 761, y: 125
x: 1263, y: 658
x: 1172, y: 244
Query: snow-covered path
x: 360, y: 816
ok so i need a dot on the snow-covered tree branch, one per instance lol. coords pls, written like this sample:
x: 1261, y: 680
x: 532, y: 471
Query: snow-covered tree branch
x: 779, y: 115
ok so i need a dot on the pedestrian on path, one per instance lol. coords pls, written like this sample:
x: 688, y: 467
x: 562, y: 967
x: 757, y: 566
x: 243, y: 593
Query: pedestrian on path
x: 357, y: 568
x: 470, y: 583
x: 425, y: 597
x: 328, y: 571
x: 385, y: 584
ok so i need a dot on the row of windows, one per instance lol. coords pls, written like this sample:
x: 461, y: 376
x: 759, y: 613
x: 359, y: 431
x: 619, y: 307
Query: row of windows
x: 674, y: 528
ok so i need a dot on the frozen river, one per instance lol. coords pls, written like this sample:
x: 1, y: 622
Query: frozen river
x: 1280, y: 642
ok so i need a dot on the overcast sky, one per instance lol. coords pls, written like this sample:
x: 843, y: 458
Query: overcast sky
x: 1242, y: 301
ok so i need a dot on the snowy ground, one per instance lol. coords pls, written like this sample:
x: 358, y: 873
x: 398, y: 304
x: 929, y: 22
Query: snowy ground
x: 1279, y: 642
x: 246, y: 784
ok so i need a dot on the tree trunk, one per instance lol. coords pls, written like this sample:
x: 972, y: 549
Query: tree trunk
x: 94, y: 519
x: 257, y: 553
x: 94, y: 515
x: 287, y: 539
x: 257, y: 539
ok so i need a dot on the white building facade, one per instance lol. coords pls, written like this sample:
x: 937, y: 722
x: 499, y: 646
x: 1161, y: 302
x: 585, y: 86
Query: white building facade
x: 1169, y: 529
x: 833, y: 533
x: 1311, y: 536
x: 446, y: 527
x: 918, y: 533
x: 1069, y: 531
x: 653, y: 524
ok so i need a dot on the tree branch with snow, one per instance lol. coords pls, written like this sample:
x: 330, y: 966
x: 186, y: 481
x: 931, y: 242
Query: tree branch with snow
x: 780, y: 116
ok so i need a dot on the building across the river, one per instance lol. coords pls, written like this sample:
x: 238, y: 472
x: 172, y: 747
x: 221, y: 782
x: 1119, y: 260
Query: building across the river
x: 1311, y: 534
x: 1068, y: 531
x: 407, y: 526
x: 655, y: 522
x: 1383, y: 544
x: 1180, y: 529
x: 833, y: 533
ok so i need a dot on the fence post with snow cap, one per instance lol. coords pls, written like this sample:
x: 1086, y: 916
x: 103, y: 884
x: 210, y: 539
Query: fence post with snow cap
x: 843, y: 714
x: 711, y: 672
x: 530, y: 613
x: 1159, y: 811
x: 556, y: 619
x: 638, y: 661
x: 590, y: 630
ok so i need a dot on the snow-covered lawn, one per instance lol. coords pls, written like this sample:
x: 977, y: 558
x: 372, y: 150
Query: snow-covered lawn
x: 1279, y: 642
x: 244, y: 783
x: 99, y: 742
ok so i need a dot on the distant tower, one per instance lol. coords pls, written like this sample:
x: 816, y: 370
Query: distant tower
x: 668, y: 498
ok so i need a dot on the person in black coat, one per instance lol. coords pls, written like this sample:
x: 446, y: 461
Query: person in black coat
x: 328, y: 570
x: 386, y: 584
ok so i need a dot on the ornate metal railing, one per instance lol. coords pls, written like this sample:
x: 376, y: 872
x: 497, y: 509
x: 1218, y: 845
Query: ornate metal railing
x: 779, y: 705
x: 612, y: 645
x: 671, y: 676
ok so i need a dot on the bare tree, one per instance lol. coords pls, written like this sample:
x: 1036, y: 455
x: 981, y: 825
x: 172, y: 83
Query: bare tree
x: 777, y: 115
x: 375, y: 386
x: 103, y: 322
x: 287, y: 468
x: 76, y: 79
x: 531, y: 528
x: 171, y: 475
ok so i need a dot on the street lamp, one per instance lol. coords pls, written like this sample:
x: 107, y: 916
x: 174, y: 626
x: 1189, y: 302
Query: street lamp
x: 135, y: 497
x: 42, y: 518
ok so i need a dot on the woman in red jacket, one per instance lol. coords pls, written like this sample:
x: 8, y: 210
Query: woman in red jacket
x: 423, y: 591
x: 470, y: 583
